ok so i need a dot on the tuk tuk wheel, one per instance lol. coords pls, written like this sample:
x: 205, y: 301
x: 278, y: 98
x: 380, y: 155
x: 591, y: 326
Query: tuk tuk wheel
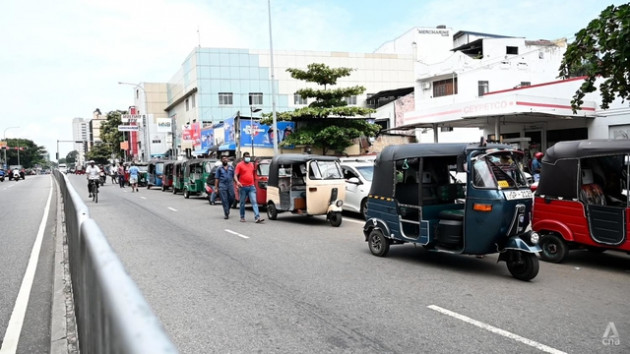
x: 554, y: 249
x: 335, y: 219
x: 186, y: 193
x: 523, y: 265
x: 272, y: 212
x: 163, y: 188
x: 174, y: 190
x: 379, y: 245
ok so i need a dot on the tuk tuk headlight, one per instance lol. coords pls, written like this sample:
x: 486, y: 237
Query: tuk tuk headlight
x: 534, y: 237
x: 339, y: 203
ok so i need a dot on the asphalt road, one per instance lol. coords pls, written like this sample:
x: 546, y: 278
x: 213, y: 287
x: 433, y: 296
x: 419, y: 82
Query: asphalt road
x: 23, y: 218
x: 297, y: 284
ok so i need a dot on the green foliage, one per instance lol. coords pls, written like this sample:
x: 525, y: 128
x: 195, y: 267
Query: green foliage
x: 322, y: 126
x: 72, y: 156
x: 30, y: 155
x: 110, y: 134
x: 602, y: 49
x: 100, y: 153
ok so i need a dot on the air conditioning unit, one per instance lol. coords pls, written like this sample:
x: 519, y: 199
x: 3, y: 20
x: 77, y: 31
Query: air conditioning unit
x: 426, y: 85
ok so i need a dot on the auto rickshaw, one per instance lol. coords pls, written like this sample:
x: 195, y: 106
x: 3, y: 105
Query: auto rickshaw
x: 470, y: 199
x: 261, y: 176
x: 196, y: 172
x: 307, y: 185
x: 167, y: 177
x: 178, y: 176
x: 155, y: 173
x: 582, y: 198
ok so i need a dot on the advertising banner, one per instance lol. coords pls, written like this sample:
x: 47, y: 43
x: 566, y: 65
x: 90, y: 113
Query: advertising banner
x: 262, y: 135
x: 164, y: 125
x: 207, y: 138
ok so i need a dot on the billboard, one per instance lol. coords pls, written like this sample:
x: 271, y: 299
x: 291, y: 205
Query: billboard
x: 262, y: 134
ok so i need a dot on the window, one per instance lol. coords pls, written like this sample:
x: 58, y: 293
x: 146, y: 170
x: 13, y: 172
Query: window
x: 225, y: 98
x: 483, y: 87
x: 511, y: 50
x: 192, y: 99
x: 187, y: 105
x: 351, y: 100
x: 525, y: 83
x: 446, y: 87
x: 298, y: 100
x: 255, y: 98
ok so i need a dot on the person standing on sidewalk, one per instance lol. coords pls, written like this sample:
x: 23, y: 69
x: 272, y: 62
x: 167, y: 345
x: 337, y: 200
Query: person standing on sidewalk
x: 133, y: 177
x: 244, y: 178
x: 224, y: 184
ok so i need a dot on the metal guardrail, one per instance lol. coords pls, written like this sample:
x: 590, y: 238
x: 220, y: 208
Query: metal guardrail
x: 112, y: 315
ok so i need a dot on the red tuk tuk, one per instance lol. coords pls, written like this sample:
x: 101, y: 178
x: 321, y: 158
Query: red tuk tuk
x: 582, y: 198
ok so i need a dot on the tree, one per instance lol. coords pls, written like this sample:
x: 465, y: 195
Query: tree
x: 72, y: 156
x: 100, y: 153
x: 30, y: 154
x: 601, y: 49
x: 110, y: 134
x: 326, y: 125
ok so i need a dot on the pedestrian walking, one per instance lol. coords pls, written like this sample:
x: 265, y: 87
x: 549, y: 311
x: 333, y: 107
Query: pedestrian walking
x: 133, y: 177
x: 244, y: 178
x: 224, y: 183
x: 213, y: 195
x: 121, y: 176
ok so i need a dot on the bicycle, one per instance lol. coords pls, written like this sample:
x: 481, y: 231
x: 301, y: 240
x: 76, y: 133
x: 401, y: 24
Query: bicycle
x: 94, y: 190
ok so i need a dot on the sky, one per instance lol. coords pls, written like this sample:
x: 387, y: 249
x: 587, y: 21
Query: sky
x: 63, y: 59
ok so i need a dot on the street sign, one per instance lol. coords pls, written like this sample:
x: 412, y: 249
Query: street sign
x: 128, y: 128
x: 133, y: 118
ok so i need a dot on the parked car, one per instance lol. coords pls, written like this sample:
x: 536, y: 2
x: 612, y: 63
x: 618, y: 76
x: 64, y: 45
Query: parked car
x: 358, y: 175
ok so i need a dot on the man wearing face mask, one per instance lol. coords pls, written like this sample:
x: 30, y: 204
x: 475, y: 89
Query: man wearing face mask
x: 224, y: 183
x: 244, y: 178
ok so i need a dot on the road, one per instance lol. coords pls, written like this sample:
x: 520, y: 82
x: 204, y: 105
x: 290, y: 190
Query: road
x: 297, y: 284
x: 26, y: 259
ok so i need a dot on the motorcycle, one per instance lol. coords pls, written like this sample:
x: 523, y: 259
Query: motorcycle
x: 16, y: 175
x: 102, y: 178
x: 1, y: 175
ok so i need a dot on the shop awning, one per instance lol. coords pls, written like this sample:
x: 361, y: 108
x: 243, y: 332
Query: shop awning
x: 201, y: 151
x: 227, y: 147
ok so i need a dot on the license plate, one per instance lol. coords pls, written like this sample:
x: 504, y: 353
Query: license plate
x: 519, y: 194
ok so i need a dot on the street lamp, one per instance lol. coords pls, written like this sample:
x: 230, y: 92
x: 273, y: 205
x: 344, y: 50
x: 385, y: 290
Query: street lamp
x: 252, y: 110
x: 6, y: 165
x: 147, y: 140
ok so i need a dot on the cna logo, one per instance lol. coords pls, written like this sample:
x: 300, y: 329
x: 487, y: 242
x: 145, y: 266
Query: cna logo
x: 611, y: 336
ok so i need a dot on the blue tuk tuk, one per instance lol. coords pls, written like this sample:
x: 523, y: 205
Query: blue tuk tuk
x: 471, y: 199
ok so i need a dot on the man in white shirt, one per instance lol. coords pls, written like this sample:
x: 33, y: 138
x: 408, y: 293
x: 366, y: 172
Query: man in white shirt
x: 93, y: 173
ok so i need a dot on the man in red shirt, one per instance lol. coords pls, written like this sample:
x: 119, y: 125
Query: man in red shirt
x: 244, y: 179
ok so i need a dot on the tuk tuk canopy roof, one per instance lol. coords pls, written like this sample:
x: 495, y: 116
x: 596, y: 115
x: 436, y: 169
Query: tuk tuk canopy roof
x: 286, y: 159
x: 385, y: 164
x: 585, y: 148
x: 559, y: 176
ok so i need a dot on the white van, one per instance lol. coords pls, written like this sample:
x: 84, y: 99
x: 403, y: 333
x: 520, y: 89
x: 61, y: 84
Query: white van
x: 63, y: 168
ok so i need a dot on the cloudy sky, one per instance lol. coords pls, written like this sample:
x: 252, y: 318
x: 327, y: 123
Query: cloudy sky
x: 63, y: 59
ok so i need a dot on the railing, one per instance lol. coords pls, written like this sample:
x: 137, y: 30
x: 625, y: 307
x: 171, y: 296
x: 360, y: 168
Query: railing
x: 111, y: 313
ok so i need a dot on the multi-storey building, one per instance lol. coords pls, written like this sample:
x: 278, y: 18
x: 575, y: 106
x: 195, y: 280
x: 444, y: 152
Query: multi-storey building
x: 80, y: 135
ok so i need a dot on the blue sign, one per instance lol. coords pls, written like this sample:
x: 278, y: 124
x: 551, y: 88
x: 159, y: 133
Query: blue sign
x: 263, y: 134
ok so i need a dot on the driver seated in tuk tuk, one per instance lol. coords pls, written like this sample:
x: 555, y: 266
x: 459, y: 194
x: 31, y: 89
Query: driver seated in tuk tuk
x: 591, y: 192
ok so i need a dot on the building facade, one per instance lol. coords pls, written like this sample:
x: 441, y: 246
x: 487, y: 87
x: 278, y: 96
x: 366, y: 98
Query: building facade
x: 216, y: 84
x: 80, y: 135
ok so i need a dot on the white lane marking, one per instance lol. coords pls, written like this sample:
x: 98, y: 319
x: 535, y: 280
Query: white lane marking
x: 236, y: 233
x: 143, y: 197
x: 12, y: 335
x: 173, y: 209
x: 496, y: 330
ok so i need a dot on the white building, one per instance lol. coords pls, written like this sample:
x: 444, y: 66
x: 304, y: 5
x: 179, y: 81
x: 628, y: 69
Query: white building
x: 215, y: 84
x: 80, y: 135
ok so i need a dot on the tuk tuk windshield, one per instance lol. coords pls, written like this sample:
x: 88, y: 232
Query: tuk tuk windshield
x: 325, y: 170
x: 498, y: 170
